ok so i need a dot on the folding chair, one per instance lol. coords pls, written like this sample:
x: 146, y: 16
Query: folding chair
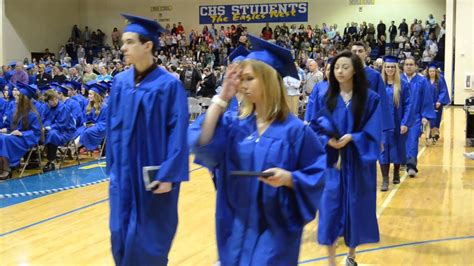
x: 36, y: 148
x: 194, y: 108
x: 205, y: 102
x: 102, y: 147
x: 66, y: 147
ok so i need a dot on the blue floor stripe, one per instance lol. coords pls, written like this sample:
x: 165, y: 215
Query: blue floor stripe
x: 52, y: 218
x: 393, y: 246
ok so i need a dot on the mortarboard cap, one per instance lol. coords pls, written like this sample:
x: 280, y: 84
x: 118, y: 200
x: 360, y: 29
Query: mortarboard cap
x: 390, y: 59
x: 238, y: 54
x: 29, y: 91
x: 47, y: 70
x: 273, y: 55
x: 30, y: 66
x: 12, y: 64
x: 62, y: 89
x: 96, y: 87
x: 145, y: 27
x: 432, y: 65
x: 44, y: 88
x: 72, y: 84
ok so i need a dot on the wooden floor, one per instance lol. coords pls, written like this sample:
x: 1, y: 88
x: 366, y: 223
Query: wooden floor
x: 423, y: 221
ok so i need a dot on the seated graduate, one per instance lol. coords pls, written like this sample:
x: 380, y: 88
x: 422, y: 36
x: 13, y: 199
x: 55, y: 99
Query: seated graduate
x: 11, y: 92
x: 22, y: 131
x: 73, y: 105
x: 93, y: 132
x: 75, y: 93
x: 259, y: 221
x: 58, y: 125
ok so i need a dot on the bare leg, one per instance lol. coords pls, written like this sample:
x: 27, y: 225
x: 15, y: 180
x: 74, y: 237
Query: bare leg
x: 332, y: 255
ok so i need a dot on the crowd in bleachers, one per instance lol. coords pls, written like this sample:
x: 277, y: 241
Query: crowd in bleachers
x: 86, y: 64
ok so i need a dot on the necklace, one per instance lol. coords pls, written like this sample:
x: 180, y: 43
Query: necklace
x: 346, y: 96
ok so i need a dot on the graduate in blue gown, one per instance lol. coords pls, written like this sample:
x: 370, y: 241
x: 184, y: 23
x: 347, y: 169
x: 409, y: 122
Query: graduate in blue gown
x: 440, y: 94
x: 146, y: 126
x: 317, y: 97
x: 22, y: 131
x: 259, y: 221
x: 376, y: 84
x: 75, y: 92
x: 394, y: 150
x: 58, y: 126
x: 92, y: 133
x: 352, y: 128
x: 74, y: 106
x: 422, y: 111
x: 12, y: 93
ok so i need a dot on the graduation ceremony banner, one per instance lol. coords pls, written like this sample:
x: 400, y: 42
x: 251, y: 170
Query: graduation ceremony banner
x: 254, y: 13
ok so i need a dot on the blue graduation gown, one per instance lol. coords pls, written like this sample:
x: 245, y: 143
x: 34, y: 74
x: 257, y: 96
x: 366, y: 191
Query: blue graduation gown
x: 83, y: 102
x: 441, y: 95
x: 31, y: 79
x: 316, y: 100
x: 376, y: 83
x: 62, y: 125
x: 76, y: 111
x: 395, y: 143
x: 257, y: 224
x: 152, y: 131
x: 421, y: 107
x: 10, y: 108
x: 14, y: 147
x: 3, y: 110
x: 40, y: 107
x: 348, y: 204
x: 92, y: 136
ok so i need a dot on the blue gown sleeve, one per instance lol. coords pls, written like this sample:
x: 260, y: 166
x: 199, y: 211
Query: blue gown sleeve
x: 443, y: 97
x: 387, y: 120
x: 310, y: 106
x: 407, y: 119
x: 427, y: 109
x: 175, y: 167
x: 211, y: 154
x: 308, y: 180
x: 62, y: 122
x: 33, y: 134
x: 367, y: 140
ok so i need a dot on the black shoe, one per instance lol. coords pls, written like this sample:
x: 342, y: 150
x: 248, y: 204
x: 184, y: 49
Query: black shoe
x: 32, y: 165
x: 351, y: 262
x: 49, y: 167
x: 5, y: 175
x: 396, y: 179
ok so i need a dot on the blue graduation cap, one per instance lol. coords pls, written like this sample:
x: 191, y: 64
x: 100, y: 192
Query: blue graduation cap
x: 96, y: 87
x: 72, y: 84
x: 53, y: 85
x: 433, y: 65
x: 47, y: 70
x: 238, y: 54
x: 62, y: 89
x: 12, y: 64
x: 145, y: 27
x: 44, y: 88
x: 30, y: 66
x: 27, y: 90
x: 273, y: 55
x: 390, y: 59
x: 64, y: 65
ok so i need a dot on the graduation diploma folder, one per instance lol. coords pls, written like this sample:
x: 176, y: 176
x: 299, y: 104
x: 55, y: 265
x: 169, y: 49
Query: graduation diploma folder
x: 148, y: 173
x: 250, y: 174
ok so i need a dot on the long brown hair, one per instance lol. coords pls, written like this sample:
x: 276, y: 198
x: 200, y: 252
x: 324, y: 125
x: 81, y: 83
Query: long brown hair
x: 96, y: 103
x: 274, y: 92
x: 23, y: 108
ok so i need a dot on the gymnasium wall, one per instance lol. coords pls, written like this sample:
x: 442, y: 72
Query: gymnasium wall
x: 464, y: 47
x: 33, y: 25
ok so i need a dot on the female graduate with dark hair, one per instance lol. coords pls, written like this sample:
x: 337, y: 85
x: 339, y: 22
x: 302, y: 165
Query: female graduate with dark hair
x: 351, y: 125
x: 22, y: 131
x: 440, y: 94
x: 398, y: 92
x: 93, y: 132
x: 259, y: 221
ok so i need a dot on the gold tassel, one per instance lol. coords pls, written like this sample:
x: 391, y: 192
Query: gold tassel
x: 339, y: 161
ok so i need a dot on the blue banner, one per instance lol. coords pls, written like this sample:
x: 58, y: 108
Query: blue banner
x: 254, y: 13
